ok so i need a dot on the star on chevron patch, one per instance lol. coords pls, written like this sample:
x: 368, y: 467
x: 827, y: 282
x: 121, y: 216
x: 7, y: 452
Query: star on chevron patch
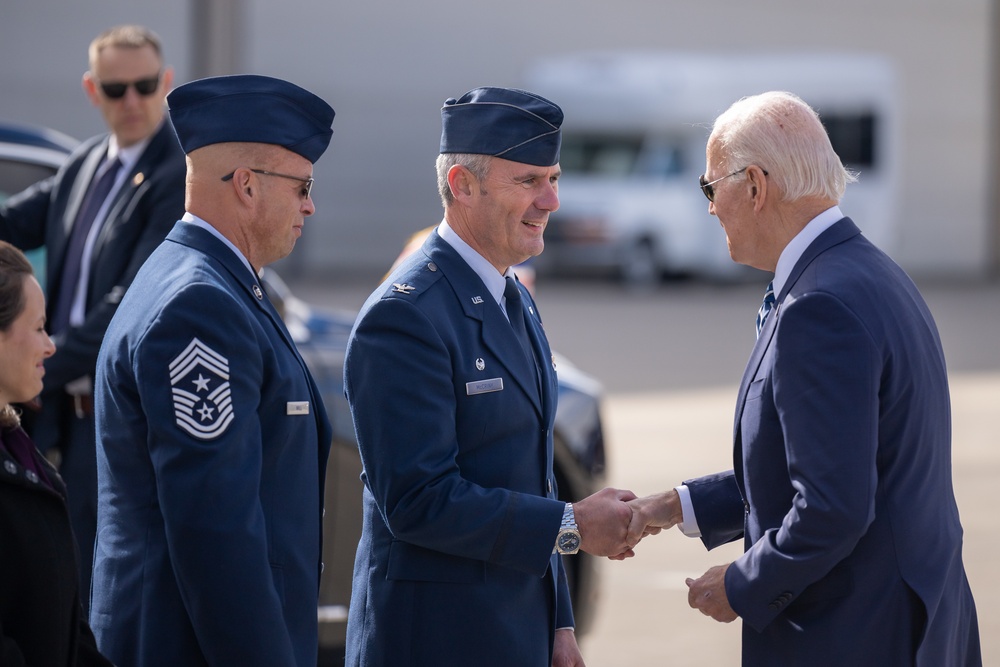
x: 199, y: 378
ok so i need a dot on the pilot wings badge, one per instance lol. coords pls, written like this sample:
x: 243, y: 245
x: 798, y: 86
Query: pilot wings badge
x: 199, y: 378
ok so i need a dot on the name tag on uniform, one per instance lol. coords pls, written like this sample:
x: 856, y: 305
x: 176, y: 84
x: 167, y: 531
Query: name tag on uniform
x: 297, y: 408
x: 483, y: 386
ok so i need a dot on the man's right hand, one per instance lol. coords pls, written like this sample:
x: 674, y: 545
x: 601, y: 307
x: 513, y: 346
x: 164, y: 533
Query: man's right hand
x: 603, y: 520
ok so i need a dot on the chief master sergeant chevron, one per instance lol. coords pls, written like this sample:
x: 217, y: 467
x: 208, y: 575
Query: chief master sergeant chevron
x: 211, y: 436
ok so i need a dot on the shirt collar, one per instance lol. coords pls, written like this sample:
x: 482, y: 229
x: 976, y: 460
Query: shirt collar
x: 797, y: 246
x: 130, y: 155
x: 191, y: 218
x: 495, y: 282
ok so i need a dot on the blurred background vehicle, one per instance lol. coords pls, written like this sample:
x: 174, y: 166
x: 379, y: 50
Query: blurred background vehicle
x: 634, y: 146
x: 29, y: 154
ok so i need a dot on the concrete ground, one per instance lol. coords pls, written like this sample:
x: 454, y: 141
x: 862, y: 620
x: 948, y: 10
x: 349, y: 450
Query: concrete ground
x: 670, y: 360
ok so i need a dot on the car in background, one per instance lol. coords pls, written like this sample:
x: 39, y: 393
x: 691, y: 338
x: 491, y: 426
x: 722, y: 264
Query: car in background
x: 29, y: 154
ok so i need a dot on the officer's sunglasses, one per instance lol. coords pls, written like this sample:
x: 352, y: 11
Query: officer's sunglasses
x: 117, y: 90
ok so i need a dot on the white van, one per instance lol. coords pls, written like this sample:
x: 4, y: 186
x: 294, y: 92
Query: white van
x: 634, y: 145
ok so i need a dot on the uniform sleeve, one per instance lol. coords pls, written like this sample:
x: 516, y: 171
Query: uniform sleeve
x: 825, y: 383
x: 199, y: 371
x: 400, y: 385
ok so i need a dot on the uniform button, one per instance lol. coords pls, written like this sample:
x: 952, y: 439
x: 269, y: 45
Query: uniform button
x: 10, y: 467
x: 32, y: 476
x: 432, y: 267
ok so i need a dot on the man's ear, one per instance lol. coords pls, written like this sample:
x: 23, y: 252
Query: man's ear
x: 461, y: 181
x: 89, y: 84
x: 758, y: 186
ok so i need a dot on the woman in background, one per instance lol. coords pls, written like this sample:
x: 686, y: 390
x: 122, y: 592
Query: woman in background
x: 41, y: 620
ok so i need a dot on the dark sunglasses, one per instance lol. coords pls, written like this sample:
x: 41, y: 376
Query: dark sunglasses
x: 117, y: 90
x: 307, y: 183
x: 707, y: 188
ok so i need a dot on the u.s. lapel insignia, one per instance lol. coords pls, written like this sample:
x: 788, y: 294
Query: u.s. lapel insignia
x: 402, y: 288
x: 553, y: 362
x: 138, y: 179
x: 477, y: 300
x: 480, y: 364
x: 257, y: 292
x: 199, y: 380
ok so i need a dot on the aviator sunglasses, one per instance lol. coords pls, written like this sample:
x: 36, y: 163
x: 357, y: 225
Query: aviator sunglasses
x: 117, y: 90
x: 707, y: 188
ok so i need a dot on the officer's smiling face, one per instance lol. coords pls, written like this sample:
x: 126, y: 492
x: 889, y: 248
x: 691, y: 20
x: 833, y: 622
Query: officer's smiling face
x: 285, y: 207
x: 512, y: 209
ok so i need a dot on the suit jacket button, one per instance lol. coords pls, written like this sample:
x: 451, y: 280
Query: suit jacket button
x: 10, y: 467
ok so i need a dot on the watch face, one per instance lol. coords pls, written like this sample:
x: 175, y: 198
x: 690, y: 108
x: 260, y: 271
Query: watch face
x: 569, y: 542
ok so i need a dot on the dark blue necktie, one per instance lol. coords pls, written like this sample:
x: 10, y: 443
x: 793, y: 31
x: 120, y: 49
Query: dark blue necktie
x: 765, y: 308
x: 73, y: 259
x: 515, y: 313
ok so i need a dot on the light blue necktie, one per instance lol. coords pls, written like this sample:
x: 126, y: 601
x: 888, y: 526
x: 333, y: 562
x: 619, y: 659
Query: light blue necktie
x: 766, y: 307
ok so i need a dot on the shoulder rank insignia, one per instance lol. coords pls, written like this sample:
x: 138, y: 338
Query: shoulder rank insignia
x: 199, y: 379
x: 402, y: 288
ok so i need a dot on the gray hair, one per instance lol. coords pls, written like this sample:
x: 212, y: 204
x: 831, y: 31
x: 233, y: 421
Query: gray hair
x: 479, y: 165
x: 783, y: 135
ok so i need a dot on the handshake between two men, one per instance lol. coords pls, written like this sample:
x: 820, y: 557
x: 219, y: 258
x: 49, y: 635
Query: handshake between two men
x: 612, y: 522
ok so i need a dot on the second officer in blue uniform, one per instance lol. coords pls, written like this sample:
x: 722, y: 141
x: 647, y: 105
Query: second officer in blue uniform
x: 212, y: 437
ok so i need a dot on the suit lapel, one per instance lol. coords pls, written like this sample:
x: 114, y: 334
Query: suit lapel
x: 839, y: 232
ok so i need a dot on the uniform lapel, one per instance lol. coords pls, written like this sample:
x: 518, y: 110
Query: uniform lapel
x: 478, y: 304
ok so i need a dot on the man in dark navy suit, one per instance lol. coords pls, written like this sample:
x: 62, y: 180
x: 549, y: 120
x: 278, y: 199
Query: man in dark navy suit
x: 99, y: 218
x: 842, y: 487
x: 452, y: 387
x: 212, y: 436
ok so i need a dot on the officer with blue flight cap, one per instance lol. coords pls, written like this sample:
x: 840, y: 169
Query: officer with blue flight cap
x: 452, y: 388
x: 212, y: 437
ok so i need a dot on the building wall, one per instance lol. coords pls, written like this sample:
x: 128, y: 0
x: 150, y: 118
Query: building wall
x: 387, y: 67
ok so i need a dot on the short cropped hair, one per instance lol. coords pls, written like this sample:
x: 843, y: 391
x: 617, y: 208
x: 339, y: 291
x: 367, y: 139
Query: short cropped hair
x: 479, y: 165
x: 124, y: 36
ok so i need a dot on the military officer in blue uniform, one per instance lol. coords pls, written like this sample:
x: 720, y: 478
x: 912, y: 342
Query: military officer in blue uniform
x: 452, y: 388
x: 212, y: 437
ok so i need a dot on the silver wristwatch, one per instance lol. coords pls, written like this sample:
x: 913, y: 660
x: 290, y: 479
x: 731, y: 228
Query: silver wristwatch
x: 568, y: 539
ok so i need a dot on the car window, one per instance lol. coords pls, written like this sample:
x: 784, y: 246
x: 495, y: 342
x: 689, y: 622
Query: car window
x: 15, y: 176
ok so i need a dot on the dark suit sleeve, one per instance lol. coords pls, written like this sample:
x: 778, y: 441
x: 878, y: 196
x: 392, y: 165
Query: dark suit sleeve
x: 824, y: 386
x: 155, y: 206
x: 718, y: 508
x: 23, y: 216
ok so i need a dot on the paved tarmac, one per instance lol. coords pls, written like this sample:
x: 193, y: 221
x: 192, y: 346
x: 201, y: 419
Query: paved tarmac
x: 670, y: 360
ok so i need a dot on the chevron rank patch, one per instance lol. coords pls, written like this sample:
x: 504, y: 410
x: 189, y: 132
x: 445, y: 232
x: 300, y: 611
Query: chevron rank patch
x: 199, y: 378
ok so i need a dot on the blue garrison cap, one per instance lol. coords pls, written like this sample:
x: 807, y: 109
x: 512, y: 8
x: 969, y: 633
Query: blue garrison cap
x: 250, y: 108
x: 503, y: 122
